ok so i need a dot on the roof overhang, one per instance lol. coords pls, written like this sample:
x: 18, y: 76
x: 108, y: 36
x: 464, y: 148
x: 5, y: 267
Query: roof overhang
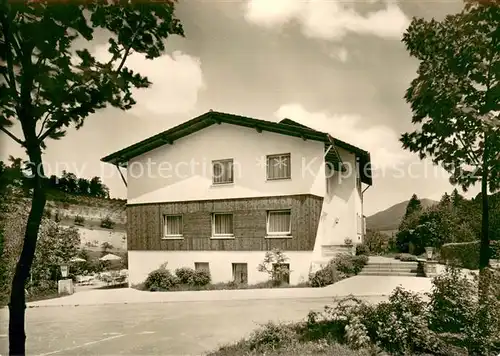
x: 121, y: 157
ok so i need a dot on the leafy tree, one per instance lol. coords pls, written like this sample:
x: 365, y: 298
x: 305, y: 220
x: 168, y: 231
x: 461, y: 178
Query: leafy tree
x: 49, y: 85
x: 275, y: 265
x: 414, y: 205
x: 56, y: 245
x: 455, y: 99
x: 376, y: 241
x: 83, y: 186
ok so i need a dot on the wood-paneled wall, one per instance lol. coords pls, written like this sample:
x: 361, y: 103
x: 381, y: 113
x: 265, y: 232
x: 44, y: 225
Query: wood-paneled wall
x: 145, y: 224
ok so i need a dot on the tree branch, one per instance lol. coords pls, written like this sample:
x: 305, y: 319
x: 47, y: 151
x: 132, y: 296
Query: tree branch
x: 8, y: 53
x: 58, y: 123
x: 19, y: 141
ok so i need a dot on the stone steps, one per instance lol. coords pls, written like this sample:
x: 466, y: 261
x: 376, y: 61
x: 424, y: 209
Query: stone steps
x: 395, y: 268
x: 390, y: 273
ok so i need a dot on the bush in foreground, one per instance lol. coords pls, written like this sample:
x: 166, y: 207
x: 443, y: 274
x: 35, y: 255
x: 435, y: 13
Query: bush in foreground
x: 448, y: 324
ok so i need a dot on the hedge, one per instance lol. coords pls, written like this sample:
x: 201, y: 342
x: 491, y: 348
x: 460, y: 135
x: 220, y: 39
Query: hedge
x: 466, y: 254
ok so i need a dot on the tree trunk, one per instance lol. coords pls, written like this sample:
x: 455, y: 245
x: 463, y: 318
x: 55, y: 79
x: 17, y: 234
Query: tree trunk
x: 484, y: 250
x: 17, y: 305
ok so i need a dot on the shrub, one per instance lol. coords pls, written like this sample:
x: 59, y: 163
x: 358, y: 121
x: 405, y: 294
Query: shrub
x: 450, y: 302
x: 107, y: 223
x: 160, y: 279
x: 495, y: 249
x: 190, y: 277
x: 362, y: 249
x: 406, y: 257
x: 326, y: 276
x: 461, y: 254
x: 185, y: 275
x: 79, y: 220
x: 376, y: 241
x: 275, y: 265
x: 201, y: 278
x: 350, y: 265
x: 272, y: 336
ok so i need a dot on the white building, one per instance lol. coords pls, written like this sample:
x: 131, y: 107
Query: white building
x: 219, y: 190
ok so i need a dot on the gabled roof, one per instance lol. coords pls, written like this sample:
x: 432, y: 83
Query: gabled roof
x: 285, y: 127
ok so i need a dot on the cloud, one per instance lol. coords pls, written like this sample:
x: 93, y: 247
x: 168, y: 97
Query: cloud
x: 330, y: 20
x: 340, y: 54
x: 381, y: 141
x: 176, y: 81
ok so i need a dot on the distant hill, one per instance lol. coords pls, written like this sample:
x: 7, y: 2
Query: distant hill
x: 389, y: 219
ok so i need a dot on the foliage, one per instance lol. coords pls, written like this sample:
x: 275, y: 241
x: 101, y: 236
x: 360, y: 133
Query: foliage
x: 107, y: 223
x: 348, y: 264
x: 464, y: 254
x: 326, y: 276
x: 105, y: 248
x: 445, y: 222
x: 406, y: 257
x: 160, y: 279
x: 68, y: 182
x: 51, y: 80
x: 271, y: 336
x: 451, y: 305
x: 191, y: 277
x: 275, y: 265
x: 376, y: 242
x: 297, y: 348
x: 362, y: 249
x: 56, y: 245
x: 414, y: 206
x: 456, y: 99
x: 79, y: 220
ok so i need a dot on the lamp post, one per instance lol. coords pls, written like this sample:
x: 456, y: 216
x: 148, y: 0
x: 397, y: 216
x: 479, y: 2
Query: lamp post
x: 429, y: 251
x: 65, y: 285
x: 64, y: 270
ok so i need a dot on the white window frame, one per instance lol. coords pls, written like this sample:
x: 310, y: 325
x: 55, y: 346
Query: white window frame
x: 201, y: 269
x: 172, y: 236
x: 281, y: 233
x: 223, y: 161
x: 279, y: 155
x: 222, y: 236
x: 359, y: 224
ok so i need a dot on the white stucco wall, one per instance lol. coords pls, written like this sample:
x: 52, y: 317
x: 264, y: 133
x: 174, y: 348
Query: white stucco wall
x: 183, y: 171
x: 340, y: 206
x: 140, y: 263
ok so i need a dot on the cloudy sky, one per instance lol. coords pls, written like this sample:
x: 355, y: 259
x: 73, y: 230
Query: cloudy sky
x: 333, y: 65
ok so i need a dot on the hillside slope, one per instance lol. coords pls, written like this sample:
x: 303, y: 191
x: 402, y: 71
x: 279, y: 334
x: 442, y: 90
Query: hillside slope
x: 91, y: 212
x: 390, y: 218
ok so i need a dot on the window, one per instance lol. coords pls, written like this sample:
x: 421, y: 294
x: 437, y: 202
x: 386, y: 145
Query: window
x: 278, y: 222
x: 202, y: 266
x: 222, y: 225
x: 281, y: 272
x: 279, y: 166
x: 172, y: 225
x: 222, y: 171
x: 240, y: 273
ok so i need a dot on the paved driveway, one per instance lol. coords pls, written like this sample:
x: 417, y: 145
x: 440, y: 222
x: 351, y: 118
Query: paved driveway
x: 182, y: 328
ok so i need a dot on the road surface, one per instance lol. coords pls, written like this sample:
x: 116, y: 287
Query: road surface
x: 180, y: 328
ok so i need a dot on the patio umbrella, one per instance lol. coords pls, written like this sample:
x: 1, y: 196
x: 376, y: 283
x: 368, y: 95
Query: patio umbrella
x: 110, y: 257
x: 77, y: 259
